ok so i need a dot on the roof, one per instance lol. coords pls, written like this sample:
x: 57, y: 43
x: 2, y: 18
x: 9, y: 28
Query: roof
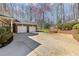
x: 3, y: 20
x: 1, y: 15
x: 5, y: 16
x: 25, y: 23
x: 7, y: 19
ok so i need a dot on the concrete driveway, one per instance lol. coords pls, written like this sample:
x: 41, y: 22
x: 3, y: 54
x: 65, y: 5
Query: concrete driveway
x: 55, y: 44
x: 20, y: 46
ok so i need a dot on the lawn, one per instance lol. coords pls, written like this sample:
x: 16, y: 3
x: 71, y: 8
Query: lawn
x: 45, y: 30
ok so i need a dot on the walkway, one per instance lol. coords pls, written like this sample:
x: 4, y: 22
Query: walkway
x: 20, y: 46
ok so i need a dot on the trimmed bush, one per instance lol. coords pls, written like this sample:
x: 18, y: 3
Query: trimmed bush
x: 76, y: 27
x: 2, y: 30
x: 5, y: 34
x: 67, y: 26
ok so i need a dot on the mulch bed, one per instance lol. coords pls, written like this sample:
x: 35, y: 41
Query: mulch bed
x: 66, y: 31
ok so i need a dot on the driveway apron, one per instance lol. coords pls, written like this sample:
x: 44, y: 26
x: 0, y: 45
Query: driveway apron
x: 20, y: 46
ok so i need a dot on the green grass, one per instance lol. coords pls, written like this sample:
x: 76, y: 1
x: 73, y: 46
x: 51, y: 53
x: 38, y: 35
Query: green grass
x: 45, y: 30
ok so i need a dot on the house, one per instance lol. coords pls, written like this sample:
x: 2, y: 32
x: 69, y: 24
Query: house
x: 3, y: 22
x: 17, y: 26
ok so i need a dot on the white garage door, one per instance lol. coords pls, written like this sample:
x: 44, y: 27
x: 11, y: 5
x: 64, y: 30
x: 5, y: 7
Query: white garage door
x: 32, y: 29
x: 21, y: 29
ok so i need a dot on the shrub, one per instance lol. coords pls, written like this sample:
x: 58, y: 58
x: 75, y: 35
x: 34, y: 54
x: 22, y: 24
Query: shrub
x: 5, y: 34
x: 76, y: 26
x: 67, y: 26
x: 47, y: 26
x: 59, y: 24
x: 7, y: 28
x: 1, y: 30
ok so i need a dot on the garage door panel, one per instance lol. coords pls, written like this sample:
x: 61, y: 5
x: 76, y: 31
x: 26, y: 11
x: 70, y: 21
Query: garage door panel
x: 21, y: 29
x: 32, y: 29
